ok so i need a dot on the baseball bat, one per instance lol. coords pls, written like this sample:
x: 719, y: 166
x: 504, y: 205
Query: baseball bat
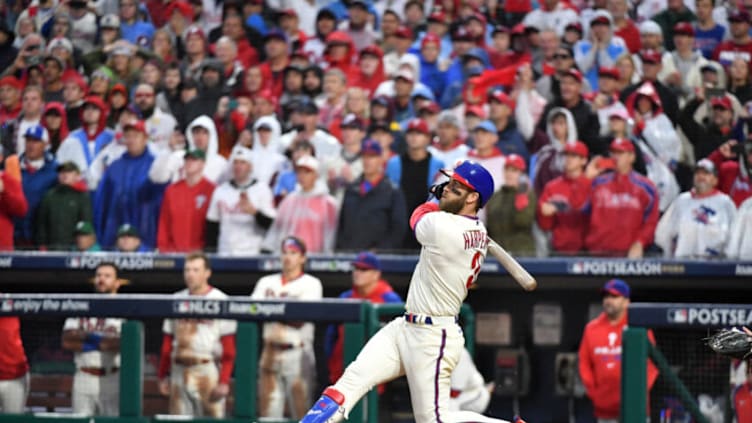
x: 518, y: 273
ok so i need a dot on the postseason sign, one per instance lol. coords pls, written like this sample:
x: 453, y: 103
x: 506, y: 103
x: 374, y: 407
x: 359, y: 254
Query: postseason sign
x: 679, y: 315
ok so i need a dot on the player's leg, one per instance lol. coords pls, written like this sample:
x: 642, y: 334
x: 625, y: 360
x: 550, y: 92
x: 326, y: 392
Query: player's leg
x: 207, y: 378
x: 271, y: 387
x: 378, y: 362
x: 109, y: 395
x: 298, y: 372
x: 13, y: 395
x: 84, y: 393
x: 475, y: 400
x: 180, y: 401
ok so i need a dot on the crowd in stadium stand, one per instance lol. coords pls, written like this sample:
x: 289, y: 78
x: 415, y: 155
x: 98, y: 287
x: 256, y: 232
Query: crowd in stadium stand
x: 610, y: 129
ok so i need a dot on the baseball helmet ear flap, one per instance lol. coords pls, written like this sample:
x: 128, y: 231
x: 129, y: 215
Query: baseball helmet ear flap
x: 476, y: 177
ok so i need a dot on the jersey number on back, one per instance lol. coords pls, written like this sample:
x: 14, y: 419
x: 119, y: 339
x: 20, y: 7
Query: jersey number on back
x: 475, y: 266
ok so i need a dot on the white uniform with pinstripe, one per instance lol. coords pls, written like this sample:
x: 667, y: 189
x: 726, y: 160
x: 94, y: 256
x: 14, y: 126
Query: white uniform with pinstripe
x: 426, y: 344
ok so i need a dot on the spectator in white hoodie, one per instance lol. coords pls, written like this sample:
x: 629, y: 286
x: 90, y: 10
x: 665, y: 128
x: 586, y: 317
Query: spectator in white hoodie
x: 740, y: 239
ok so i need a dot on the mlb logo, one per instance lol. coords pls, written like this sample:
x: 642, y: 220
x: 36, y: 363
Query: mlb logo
x: 182, y: 307
x: 678, y: 315
x: 7, y: 305
x: 576, y: 267
x: 74, y: 262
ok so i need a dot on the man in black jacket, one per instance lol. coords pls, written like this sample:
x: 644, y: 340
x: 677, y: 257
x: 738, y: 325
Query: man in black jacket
x: 714, y: 131
x: 373, y: 212
x: 651, y: 67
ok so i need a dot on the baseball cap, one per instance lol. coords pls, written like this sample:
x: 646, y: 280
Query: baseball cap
x: 650, y: 28
x: 437, y: 15
x: 461, y: 34
x: 474, y: 176
x: 601, y: 17
x: 370, y: 147
x: 366, y: 261
x: 501, y: 97
x: 620, y: 114
x: 405, y: 74
x: 55, y: 59
x: 68, y: 167
x: 358, y: 3
x: 574, y: 26
x: 650, y: 56
x: 195, y: 154
x: 380, y: 125
x: 137, y: 125
x: 418, y: 125
x: 404, y: 32
x: 739, y: 15
x: 352, y: 122
x: 275, y: 33
x: 36, y: 132
x: 242, y: 153
x: 574, y: 73
x: 195, y: 30
x: 288, y: 12
x: 126, y: 229
x: 294, y: 243
x: 684, y: 28
x: 110, y: 21
x: 616, y: 287
x: 447, y: 116
x: 485, y: 125
x: 308, y: 162
x: 430, y: 107
x: 372, y: 50
x: 307, y: 108
x: 84, y: 227
x: 578, y: 147
x: 609, y: 71
x: 724, y: 102
x: 500, y: 29
x: 516, y: 161
x: 430, y: 38
x: 475, y: 109
x: 707, y: 165
x: 11, y: 81
x: 622, y: 144
x: 60, y: 42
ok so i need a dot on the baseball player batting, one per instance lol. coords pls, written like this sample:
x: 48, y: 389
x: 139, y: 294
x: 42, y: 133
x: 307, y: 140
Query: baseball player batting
x: 198, y: 354
x: 95, y: 342
x: 287, y: 364
x: 425, y: 344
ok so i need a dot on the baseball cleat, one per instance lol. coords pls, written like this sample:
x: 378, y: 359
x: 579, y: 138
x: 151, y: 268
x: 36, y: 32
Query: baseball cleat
x: 517, y: 419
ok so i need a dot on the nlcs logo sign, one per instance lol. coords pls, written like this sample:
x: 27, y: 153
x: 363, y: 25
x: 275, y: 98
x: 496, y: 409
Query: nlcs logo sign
x: 197, y: 307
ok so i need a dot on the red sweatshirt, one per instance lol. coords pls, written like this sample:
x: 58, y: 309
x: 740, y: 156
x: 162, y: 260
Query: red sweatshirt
x: 13, y: 363
x: 632, y: 201
x: 600, y: 365
x: 743, y: 402
x: 12, y: 204
x: 631, y: 36
x: 568, y: 226
x: 730, y: 178
x: 183, y: 216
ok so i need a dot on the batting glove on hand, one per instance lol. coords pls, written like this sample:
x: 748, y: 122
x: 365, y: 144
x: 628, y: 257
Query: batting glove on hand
x: 438, y: 189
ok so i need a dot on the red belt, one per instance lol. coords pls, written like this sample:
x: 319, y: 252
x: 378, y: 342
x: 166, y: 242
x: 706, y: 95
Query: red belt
x: 99, y: 371
x: 281, y: 347
x: 191, y: 361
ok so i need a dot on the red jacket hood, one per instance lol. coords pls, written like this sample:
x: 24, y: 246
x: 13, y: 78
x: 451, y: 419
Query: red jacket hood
x: 60, y: 108
x: 647, y: 89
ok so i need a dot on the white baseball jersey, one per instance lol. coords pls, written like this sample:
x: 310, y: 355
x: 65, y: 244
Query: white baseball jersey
x: 696, y: 226
x: 454, y: 248
x: 99, y: 359
x: 199, y: 338
x: 305, y: 287
x: 238, y: 232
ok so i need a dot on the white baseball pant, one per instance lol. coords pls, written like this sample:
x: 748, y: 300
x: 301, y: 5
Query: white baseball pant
x: 13, y: 394
x: 285, y: 378
x: 475, y: 400
x: 96, y: 395
x: 425, y: 353
x: 190, y: 388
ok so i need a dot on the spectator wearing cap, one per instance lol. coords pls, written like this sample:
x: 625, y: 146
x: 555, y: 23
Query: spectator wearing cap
x: 241, y: 209
x: 624, y: 196
x: 356, y: 103
x: 333, y: 105
x: 555, y: 16
x: 600, y: 353
x: 268, y: 162
x: 83, y: 25
x: 605, y: 100
x: 12, y: 200
x: 326, y: 23
x: 357, y: 25
x: 734, y: 163
x: 602, y: 47
x: 86, y: 238
x: 740, y: 42
x: 653, y: 125
x: 651, y: 39
x: 74, y: 92
x: 118, y: 102
x: 370, y: 72
x: 293, y: 91
x: 129, y: 240
x: 53, y: 78
x: 367, y: 284
x: 373, y: 213
x: 620, y: 126
x: 715, y: 130
x: 132, y: 28
x: 38, y: 174
x: 277, y: 59
x: 560, y: 132
x: 404, y: 85
x: 585, y: 118
x: 708, y: 32
x: 62, y: 207
x: 10, y: 98
x: 346, y: 167
x: 12, y: 132
x: 448, y: 145
x: 287, y: 181
x: 623, y: 25
x: 685, y: 60
x: 340, y: 53
x: 561, y: 206
x: 308, y: 212
x: 501, y: 111
x: 549, y: 86
x: 109, y: 33
x: 159, y: 125
x: 83, y: 145
x: 182, y: 217
x: 55, y: 122
x: 305, y: 123
x: 402, y: 39
x: 126, y: 194
x: 437, y: 24
x: 120, y: 65
x: 289, y: 23
x: 510, y: 213
x: 674, y: 13
x: 432, y: 70
x: 486, y: 152
x: 652, y: 64
x: 196, y: 51
x: 698, y: 222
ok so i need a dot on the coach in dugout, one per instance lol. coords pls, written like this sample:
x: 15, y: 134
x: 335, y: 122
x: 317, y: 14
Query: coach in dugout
x: 600, y: 353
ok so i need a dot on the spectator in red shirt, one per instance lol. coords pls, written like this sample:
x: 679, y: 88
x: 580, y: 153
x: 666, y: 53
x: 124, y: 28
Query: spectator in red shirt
x: 12, y: 200
x: 10, y: 98
x: 370, y: 69
x: 275, y: 45
x: 600, y: 353
x: 742, y: 397
x: 740, y: 44
x: 626, y: 197
x: 14, y: 367
x: 624, y: 27
x: 183, y: 214
x: 232, y: 27
x: 561, y: 206
x: 734, y: 163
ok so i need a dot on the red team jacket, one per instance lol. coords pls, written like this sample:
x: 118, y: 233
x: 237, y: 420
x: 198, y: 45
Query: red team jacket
x: 13, y: 363
x: 730, y: 178
x: 182, y: 218
x: 600, y: 365
x: 743, y: 402
x: 569, y: 225
x: 632, y: 201
x: 12, y: 204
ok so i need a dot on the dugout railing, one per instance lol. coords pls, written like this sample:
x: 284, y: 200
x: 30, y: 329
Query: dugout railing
x: 356, y: 316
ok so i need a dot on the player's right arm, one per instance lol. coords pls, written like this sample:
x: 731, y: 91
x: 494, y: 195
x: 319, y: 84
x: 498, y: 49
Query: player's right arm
x: 79, y: 340
x: 165, y: 358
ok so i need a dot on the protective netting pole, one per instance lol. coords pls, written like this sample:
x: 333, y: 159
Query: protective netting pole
x: 131, y: 369
x: 634, y: 393
x: 684, y: 395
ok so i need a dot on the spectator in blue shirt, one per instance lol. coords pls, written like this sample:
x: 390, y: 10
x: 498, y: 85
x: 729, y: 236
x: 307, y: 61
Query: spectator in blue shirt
x: 132, y: 29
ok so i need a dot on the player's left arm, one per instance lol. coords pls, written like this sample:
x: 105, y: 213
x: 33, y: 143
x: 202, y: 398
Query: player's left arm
x: 227, y: 360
